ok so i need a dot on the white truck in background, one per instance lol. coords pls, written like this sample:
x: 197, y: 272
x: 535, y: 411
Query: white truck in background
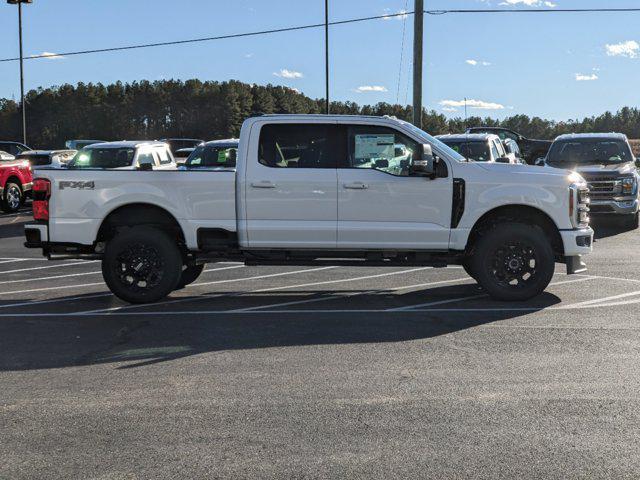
x: 318, y: 189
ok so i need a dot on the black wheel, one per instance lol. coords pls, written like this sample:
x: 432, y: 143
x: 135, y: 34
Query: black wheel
x: 466, y: 264
x: 189, y: 275
x: 12, y: 197
x: 633, y: 221
x: 513, y: 262
x: 142, y: 265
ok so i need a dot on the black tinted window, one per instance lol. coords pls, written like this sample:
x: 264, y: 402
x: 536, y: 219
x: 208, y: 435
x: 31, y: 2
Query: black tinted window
x: 213, y: 156
x: 301, y: 146
x: 103, y: 158
x: 476, y: 151
x: 36, y: 160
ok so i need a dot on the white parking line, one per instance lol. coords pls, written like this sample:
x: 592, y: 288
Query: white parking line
x: 201, y: 297
x: 55, y: 277
x: 473, y: 297
x: 52, y: 288
x: 60, y: 265
x: 55, y: 300
x: 337, y: 297
x: 603, y: 300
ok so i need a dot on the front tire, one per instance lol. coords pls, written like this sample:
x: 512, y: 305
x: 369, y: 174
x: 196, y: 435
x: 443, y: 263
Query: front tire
x: 633, y: 221
x: 513, y: 262
x: 142, y: 265
x: 12, y: 198
x: 189, y: 275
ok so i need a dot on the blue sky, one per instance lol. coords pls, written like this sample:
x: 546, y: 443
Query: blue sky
x: 556, y: 66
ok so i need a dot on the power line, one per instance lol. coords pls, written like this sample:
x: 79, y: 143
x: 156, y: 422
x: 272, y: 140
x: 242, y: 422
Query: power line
x: 322, y: 25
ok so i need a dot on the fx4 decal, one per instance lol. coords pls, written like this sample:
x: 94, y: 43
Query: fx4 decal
x: 79, y: 185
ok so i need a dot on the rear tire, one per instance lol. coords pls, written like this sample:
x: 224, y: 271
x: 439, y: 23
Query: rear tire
x: 466, y: 265
x: 189, y: 275
x: 12, y: 198
x: 142, y: 265
x: 513, y: 262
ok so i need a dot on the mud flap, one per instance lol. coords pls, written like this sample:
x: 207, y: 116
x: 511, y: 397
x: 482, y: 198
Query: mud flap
x: 575, y: 265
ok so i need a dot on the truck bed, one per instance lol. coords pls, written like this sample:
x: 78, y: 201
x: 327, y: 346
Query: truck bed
x: 81, y: 199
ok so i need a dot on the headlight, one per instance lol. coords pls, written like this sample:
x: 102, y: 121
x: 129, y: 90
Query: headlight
x: 579, y: 201
x: 629, y: 186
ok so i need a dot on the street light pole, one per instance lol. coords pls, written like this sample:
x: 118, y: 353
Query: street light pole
x: 326, y: 54
x: 418, y: 22
x: 24, y: 111
x: 22, y: 103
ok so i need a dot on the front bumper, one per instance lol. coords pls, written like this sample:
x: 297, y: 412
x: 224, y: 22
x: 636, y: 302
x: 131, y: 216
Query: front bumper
x: 615, y: 206
x: 576, y: 244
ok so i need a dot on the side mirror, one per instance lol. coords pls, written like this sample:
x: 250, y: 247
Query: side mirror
x: 540, y: 162
x: 424, y: 165
x: 503, y: 160
x: 146, y: 167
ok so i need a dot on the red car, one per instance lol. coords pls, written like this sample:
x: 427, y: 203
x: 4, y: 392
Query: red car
x: 15, y: 182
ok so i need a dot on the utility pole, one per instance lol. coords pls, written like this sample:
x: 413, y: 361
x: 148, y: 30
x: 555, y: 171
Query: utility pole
x: 418, y: 23
x: 22, y: 103
x: 326, y: 54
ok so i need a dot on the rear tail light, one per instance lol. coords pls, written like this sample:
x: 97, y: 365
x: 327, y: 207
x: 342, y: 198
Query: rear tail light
x: 41, y: 192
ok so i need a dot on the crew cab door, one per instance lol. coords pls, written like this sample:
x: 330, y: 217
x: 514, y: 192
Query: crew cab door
x: 380, y: 204
x: 291, y: 186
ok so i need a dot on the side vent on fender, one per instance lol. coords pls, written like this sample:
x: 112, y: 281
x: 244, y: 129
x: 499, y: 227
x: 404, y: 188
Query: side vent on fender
x: 457, y: 210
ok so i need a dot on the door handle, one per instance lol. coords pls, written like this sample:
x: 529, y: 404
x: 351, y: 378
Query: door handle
x: 356, y: 186
x: 263, y: 184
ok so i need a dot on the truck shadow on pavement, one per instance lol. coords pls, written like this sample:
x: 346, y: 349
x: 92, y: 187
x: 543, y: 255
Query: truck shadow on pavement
x: 132, y: 341
x: 609, y: 227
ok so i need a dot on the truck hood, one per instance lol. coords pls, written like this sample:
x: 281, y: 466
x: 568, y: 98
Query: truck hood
x: 618, y: 168
x: 520, y: 169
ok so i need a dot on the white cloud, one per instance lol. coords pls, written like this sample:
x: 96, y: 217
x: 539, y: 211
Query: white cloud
x: 475, y: 63
x: 371, y: 88
x: 49, y: 56
x: 624, y: 49
x: 581, y: 77
x: 529, y: 3
x: 449, y: 109
x: 284, y: 73
x: 476, y: 104
x: 248, y: 55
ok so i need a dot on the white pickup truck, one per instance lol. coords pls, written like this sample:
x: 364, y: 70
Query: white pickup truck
x: 316, y: 189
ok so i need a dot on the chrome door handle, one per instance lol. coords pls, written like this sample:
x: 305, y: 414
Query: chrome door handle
x: 263, y: 184
x: 356, y: 186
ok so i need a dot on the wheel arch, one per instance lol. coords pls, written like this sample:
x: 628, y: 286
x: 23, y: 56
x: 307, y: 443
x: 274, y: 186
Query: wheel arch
x: 139, y: 214
x: 517, y: 214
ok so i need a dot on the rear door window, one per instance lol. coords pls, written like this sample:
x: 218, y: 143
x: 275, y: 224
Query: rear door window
x: 301, y: 145
x: 163, y: 156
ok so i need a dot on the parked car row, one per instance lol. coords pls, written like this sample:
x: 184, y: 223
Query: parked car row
x: 604, y: 160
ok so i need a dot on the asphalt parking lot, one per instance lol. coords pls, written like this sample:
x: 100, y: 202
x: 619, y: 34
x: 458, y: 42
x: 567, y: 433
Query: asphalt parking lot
x: 302, y: 372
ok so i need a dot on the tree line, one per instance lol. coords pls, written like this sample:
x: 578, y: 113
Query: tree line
x: 211, y: 110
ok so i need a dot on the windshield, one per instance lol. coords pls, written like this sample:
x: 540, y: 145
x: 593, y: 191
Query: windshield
x: 476, y: 151
x: 574, y: 152
x: 103, y: 158
x: 435, y: 142
x: 213, y: 156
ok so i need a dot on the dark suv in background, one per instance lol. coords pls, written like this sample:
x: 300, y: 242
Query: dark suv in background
x: 14, y: 148
x: 606, y: 162
x: 530, y: 149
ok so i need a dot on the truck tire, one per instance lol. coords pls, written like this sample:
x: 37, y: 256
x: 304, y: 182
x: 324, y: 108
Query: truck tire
x: 466, y: 265
x: 513, y: 262
x: 633, y: 221
x: 189, y: 275
x: 141, y: 265
x: 12, y: 198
